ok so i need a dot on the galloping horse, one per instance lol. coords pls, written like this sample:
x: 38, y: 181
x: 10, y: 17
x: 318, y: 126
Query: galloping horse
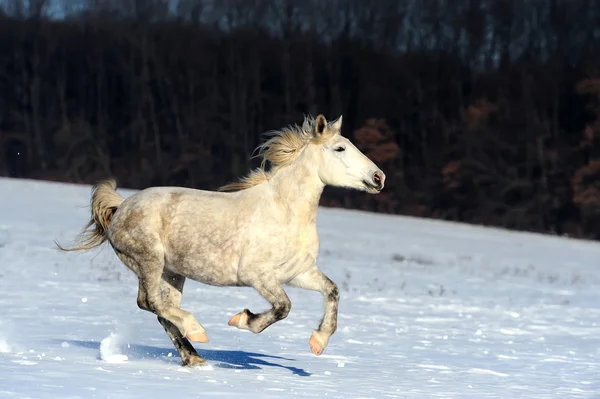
x: 258, y: 232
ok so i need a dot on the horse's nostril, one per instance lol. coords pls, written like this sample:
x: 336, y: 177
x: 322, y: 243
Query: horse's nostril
x: 377, y: 177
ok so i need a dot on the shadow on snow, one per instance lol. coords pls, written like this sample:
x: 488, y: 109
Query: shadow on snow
x: 229, y: 359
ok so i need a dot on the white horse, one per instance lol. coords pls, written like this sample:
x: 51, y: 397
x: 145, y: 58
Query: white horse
x: 259, y: 232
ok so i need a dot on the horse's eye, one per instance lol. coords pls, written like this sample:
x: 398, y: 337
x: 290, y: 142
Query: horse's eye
x: 340, y: 149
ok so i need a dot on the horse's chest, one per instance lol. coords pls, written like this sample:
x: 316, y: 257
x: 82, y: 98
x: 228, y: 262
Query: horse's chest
x: 285, y: 252
x: 303, y: 240
x: 300, y: 252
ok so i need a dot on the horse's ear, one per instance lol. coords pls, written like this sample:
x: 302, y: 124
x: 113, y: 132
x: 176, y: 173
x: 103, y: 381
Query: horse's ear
x: 320, y: 125
x: 337, y: 125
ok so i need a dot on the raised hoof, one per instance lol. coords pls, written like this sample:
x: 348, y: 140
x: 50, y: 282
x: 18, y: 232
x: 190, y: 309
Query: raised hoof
x: 315, y: 347
x: 198, y: 336
x: 239, y: 320
x: 194, y: 361
x: 234, y: 320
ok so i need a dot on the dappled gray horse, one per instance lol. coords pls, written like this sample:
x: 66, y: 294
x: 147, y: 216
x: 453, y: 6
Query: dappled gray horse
x: 259, y: 232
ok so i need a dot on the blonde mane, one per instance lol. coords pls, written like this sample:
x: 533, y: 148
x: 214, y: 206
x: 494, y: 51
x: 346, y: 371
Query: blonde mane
x: 281, y: 150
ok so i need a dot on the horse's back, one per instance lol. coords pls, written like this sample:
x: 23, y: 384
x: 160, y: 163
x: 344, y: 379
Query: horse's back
x: 155, y: 209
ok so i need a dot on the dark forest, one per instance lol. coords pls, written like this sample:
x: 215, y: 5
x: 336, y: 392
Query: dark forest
x: 483, y: 112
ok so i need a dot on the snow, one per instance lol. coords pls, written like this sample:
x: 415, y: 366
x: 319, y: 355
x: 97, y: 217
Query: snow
x: 428, y: 309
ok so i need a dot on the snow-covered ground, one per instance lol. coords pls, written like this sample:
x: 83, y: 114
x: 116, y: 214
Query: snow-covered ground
x: 428, y: 310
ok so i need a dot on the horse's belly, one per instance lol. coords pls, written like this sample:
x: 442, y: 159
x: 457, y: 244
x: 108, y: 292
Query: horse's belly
x: 207, y: 274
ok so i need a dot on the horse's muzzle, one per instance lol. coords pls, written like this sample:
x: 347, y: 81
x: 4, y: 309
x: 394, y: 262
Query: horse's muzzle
x: 376, y: 183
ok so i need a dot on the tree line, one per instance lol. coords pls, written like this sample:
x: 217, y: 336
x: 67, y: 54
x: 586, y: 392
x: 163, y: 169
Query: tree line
x: 478, y: 111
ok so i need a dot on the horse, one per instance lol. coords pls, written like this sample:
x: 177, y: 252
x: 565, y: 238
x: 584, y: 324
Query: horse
x: 258, y: 232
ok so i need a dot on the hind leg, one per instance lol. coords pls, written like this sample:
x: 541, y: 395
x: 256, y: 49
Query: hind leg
x: 172, y: 290
x: 149, y: 267
x: 189, y: 356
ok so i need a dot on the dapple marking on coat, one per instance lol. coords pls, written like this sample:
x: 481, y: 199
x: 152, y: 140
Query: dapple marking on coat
x: 259, y: 232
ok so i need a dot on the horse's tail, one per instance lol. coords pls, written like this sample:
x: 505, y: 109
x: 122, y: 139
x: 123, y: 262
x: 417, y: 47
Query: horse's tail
x: 104, y: 203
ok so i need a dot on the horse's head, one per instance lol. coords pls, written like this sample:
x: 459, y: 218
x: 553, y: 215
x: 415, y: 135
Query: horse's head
x: 340, y: 162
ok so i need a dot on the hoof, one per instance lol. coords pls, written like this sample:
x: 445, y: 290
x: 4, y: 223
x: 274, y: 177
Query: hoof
x: 240, y: 320
x: 234, y: 320
x: 318, y: 342
x: 198, y: 336
x: 315, y: 347
x: 194, y: 361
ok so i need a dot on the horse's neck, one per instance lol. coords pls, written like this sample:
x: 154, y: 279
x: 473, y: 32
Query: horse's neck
x: 299, y: 189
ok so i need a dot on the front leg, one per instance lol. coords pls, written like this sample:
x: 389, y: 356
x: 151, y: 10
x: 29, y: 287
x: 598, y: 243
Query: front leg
x: 315, y: 280
x: 269, y: 288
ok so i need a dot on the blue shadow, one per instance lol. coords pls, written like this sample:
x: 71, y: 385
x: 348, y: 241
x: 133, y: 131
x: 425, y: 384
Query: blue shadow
x: 227, y: 359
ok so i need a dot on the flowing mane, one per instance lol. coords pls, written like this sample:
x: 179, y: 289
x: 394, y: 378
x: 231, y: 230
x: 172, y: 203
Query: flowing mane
x: 281, y: 149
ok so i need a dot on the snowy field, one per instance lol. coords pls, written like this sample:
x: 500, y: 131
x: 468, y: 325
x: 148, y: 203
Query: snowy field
x: 428, y: 310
